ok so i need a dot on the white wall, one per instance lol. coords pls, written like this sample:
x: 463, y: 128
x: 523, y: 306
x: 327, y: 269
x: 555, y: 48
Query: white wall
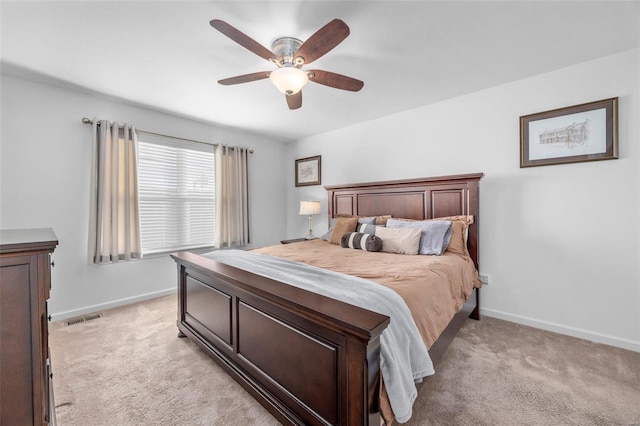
x: 560, y: 243
x: 45, y: 171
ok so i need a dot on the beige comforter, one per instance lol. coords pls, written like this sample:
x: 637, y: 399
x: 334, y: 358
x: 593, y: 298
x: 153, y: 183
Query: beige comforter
x: 433, y: 287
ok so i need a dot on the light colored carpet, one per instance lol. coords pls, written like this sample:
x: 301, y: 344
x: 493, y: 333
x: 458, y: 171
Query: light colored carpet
x: 129, y: 368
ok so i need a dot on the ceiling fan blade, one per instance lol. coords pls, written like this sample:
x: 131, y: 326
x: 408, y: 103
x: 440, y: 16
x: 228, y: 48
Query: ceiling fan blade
x: 322, y: 41
x: 332, y: 79
x: 294, y: 101
x: 242, y: 39
x: 246, y: 78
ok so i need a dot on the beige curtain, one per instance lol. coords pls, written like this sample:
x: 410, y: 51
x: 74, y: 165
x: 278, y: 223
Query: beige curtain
x: 232, y: 196
x: 114, y: 233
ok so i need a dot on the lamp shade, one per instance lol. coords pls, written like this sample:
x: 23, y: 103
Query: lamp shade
x: 289, y: 80
x: 309, y: 207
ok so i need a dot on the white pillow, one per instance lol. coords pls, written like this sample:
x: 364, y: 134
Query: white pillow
x: 399, y: 240
x: 436, y: 234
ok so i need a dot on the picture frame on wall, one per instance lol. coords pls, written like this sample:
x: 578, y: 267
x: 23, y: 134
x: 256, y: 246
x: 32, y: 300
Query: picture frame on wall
x: 585, y: 132
x: 308, y: 171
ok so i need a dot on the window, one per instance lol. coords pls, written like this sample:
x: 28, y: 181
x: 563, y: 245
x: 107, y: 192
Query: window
x: 176, y: 184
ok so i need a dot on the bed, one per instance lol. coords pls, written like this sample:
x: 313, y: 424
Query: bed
x: 257, y: 328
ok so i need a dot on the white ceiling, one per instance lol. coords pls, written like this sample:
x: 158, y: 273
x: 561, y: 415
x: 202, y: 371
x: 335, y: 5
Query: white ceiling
x: 165, y: 55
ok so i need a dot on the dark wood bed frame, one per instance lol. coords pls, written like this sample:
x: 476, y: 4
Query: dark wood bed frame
x: 306, y: 358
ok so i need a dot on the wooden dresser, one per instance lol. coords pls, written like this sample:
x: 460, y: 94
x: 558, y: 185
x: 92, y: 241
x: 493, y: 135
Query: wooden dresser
x: 26, y: 393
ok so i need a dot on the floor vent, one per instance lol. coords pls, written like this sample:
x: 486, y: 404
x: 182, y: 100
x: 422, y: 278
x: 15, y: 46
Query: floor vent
x: 84, y: 319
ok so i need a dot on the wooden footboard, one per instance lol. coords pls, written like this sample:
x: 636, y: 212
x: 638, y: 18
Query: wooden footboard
x: 307, y: 358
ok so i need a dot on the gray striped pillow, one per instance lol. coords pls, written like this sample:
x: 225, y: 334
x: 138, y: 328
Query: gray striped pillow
x: 366, y: 228
x: 360, y: 241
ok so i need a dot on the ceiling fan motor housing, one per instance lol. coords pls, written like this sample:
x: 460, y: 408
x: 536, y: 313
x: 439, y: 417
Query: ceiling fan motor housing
x: 284, y: 49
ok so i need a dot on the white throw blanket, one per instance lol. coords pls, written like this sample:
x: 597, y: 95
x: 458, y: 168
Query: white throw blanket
x: 404, y: 359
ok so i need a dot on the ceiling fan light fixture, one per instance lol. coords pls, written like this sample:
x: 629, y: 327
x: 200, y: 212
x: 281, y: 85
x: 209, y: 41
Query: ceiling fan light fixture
x: 289, y: 80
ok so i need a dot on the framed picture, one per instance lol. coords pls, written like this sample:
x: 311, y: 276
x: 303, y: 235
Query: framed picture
x: 585, y: 132
x: 308, y: 171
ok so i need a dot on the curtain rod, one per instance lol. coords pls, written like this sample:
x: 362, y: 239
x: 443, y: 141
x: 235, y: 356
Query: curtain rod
x: 86, y: 120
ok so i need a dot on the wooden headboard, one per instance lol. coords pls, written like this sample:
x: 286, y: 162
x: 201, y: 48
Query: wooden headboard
x: 422, y: 198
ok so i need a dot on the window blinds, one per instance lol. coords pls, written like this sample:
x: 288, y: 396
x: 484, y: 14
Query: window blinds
x: 177, y: 194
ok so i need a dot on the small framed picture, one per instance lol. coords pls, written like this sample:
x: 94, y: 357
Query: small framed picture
x: 585, y: 132
x: 308, y: 171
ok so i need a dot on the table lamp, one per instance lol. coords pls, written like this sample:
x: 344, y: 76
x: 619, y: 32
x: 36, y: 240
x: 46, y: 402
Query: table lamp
x: 310, y: 208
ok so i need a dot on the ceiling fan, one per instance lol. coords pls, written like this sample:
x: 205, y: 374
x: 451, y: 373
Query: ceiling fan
x: 290, y: 55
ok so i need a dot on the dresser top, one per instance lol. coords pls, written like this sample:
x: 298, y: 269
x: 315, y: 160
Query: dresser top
x: 12, y: 240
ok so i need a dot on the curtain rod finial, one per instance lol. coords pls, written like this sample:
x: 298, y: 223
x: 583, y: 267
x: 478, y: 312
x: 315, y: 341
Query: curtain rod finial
x: 85, y: 120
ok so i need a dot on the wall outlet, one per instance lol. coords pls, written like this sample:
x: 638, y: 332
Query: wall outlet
x: 484, y: 278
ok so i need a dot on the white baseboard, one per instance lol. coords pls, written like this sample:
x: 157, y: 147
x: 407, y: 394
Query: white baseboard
x: 563, y: 329
x: 59, y: 316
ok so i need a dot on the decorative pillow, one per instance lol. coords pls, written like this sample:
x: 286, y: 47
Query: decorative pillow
x: 382, y: 220
x: 366, y: 228
x: 372, y: 220
x: 331, y: 226
x: 368, y: 220
x: 360, y: 241
x: 468, y: 219
x: 459, y: 233
x: 433, y: 233
x: 343, y: 225
x: 399, y: 240
x: 457, y: 242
